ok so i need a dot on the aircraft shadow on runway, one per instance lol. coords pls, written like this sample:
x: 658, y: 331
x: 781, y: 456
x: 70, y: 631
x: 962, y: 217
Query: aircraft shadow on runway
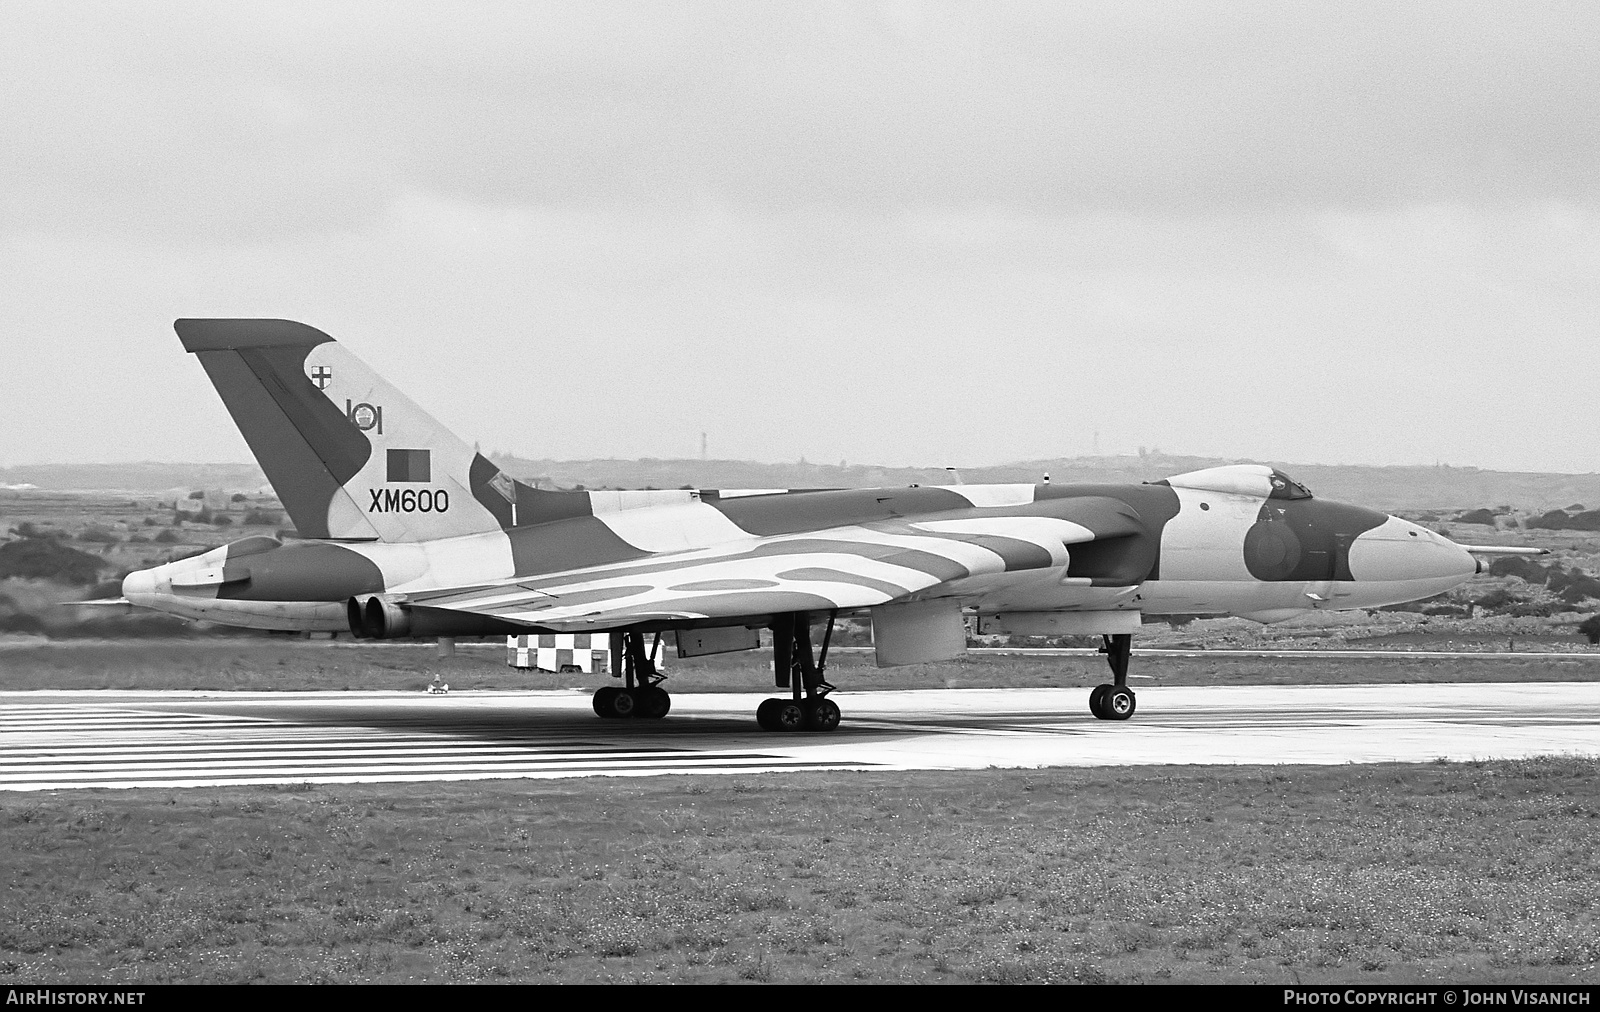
x: 519, y: 724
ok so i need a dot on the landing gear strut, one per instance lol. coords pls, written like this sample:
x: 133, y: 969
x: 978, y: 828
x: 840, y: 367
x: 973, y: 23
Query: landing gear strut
x: 1115, y: 701
x: 808, y: 708
x: 640, y: 694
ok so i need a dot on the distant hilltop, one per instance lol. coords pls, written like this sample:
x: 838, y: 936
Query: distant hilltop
x: 1388, y: 488
x: 143, y: 477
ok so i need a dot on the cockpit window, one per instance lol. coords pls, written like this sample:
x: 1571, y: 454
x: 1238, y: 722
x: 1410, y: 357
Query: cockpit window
x: 1241, y: 479
x: 1284, y: 487
x: 253, y: 546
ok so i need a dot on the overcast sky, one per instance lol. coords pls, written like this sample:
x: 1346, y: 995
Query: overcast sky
x: 898, y: 233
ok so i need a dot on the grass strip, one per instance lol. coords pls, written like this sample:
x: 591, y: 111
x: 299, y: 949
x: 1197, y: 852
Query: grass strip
x: 1479, y: 872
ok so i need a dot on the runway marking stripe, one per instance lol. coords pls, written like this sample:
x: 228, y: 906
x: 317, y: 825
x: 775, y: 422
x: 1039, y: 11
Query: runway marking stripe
x: 379, y: 759
x: 357, y: 774
x: 926, y: 728
x: 320, y: 727
x: 104, y: 747
x: 333, y: 738
x: 115, y: 711
x: 80, y: 730
x: 67, y: 709
x: 219, y: 750
x: 315, y: 737
x: 61, y: 747
x: 380, y: 771
x: 54, y: 747
x: 157, y: 753
x: 776, y: 767
x: 111, y: 720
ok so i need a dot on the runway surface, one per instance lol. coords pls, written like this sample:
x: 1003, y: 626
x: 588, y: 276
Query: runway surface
x: 52, y: 741
x: 1229, y: 653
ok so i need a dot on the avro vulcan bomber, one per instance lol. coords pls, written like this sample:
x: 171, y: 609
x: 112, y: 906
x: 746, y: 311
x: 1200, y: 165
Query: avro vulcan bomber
x: 405, y: 531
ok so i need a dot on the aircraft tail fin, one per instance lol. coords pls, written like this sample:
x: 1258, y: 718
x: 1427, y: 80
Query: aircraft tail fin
x: 350, y: 457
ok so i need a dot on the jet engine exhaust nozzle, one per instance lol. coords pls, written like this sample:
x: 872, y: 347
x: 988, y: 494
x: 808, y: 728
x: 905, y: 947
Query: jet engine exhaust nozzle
x: 377, y: 619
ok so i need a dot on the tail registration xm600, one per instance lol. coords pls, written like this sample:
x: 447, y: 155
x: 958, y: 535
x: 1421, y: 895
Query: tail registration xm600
x: 407, y: 532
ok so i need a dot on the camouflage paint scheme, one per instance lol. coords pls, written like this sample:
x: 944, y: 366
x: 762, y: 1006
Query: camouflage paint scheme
x: 406, y: 523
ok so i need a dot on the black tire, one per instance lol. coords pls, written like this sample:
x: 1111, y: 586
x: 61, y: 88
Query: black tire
x: 789, y: 716
x: 821, y: 715
x: 1119, y: 703
x: 624, y: 703
x: 654, y: 703
x: 766, y: 714
x: 1097, y: 700
x: 602, y: 700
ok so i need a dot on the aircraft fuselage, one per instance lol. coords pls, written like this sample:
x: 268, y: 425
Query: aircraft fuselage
x: 1155, y: 549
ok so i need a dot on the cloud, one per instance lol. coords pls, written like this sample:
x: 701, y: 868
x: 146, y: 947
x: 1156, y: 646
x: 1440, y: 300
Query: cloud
x: 255, y: 121
x: 911, y: 233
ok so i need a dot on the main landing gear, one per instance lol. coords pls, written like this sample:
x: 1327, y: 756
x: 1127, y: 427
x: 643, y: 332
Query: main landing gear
x: 1115, y: 701
x: 808, y: 708
x: 640, y: 694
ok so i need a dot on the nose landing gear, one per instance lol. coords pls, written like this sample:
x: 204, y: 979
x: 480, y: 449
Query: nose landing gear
x: 1115, y: 701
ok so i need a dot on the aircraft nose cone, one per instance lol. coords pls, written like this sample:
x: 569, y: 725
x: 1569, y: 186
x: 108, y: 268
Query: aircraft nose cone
x: 141, y: 583
x: 1399, y: 551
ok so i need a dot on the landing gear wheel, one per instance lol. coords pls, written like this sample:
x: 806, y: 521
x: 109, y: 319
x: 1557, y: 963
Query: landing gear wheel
x: 821, y: 714
x: 1097, y: 700
x: 789, y: 716
x: 767, y: 715
x: 623, y: 703
x: 602, y: 700
x: 1118, y: 704
x: 652, y: 702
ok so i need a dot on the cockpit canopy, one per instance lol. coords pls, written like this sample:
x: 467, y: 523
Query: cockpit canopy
x: 1242, y: 479
x: 252, y: 546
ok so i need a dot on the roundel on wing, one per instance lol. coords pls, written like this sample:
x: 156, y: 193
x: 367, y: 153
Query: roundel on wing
x: 1271, y: 551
